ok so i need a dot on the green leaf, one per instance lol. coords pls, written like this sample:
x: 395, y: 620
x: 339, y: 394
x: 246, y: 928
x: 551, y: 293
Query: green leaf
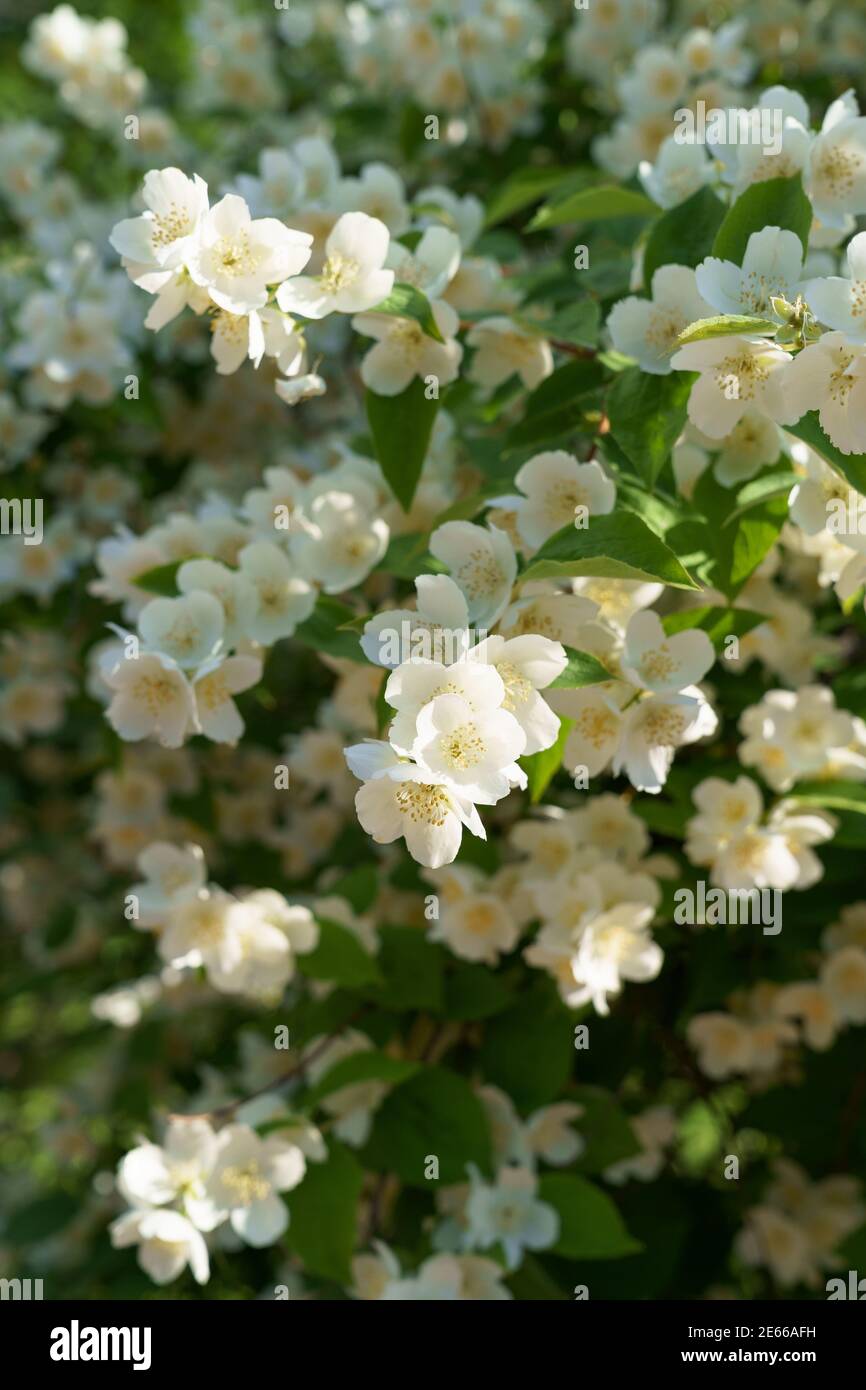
x: 411, y: 967
x: 474, y: 992
x: 435, y: 1112
x: 722, y: 325
x: 407, y: 302
x: 617, y: 546
x: 683, y: 235
x: 42, y: 1218
x: 324, y: 1215
x: 717, y: 623
x: 737, y: 549
x: 541, y: 768
x: 834, y: 795
x: 558, y: 405
x: 777, y: 483
x: 608, y: 1137
x: 401, y: 427
x: 162, y: 579
x: 325, y: 630
x: 583, y: 669
x: 529, y: 1049
x: 370, y: 1065
x: 592, y: 205
x: 579, y: 324
x: 339, y: 958
x: 773, y: 203
x: 851, y: 466
x: 525, y: 187
x: 647, y: 414
x: 407, y: 557
x: 590, y: 1226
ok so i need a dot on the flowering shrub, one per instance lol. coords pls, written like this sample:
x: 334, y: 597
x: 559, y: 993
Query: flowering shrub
x: 433, y: 442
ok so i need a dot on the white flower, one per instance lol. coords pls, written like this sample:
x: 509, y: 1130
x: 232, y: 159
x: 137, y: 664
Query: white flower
x: 404, y: 351
x: 654, y: 82
x: 203, y: 930
x: 723, y: 1044
x: 416, y: 682
x: 257, y: 962
x: 664, y: 664
x: 502, y: 348
x: 188, y: 629
x: 753, y: 442
x: 680, y: 169
x: 654, y: 729
x: 214, y: 684
x: 526, y: 664
x: 400, y: 800
x: 483, y: 563
x: 170, y: 875
x: 649, y: 329
x: 508, y: 1212
x: 614, y: 946
x: 236, y: 258
x: 284, y: 598
x: 437, y: 629
x: 772, y: 265
x: 352, y: 278
x: 475, y: 752
x: 300, y: 388
x: 152, y: 1175
x: 550, y: 1136
x: 836, y: 176
x: 754, y: 162
x: 840, y: 301
x: 431, y: 266
x: 338, y: 542
x: 737, y: 374
x: 249, y: 1173
x: 379, y: 194
x: 774, y: 1239
x: 792, y: 735
x: 477, y: 927
x: 596, y: 711
x: 163, y: 236
x: 152, y: 697
x: 229, y: 587
x: 843, y: 978
x: 167, y: 1242
x: 555, y: 485
x: 830, y: 376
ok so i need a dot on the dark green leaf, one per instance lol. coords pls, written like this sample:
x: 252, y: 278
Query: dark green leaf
x: 324, y: 1215
x: 683, y: 235
x: 590, y: 1226
x: 401, y: 427
x: 407, y: 302
x: 772, y: 203
x: 617, y: 546
x: 647, y: 414
x: 583, y: 669
x: 433, y: 1113
x: 592, y: 205
x: 541, y: 768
